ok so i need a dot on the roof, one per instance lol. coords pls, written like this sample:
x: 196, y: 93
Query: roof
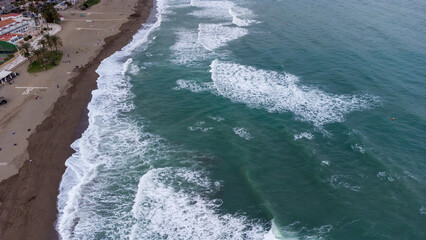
x: 5, y: 38
x: 8, y: 36
x: 10, y: 15
x: 6, y: 22
x: 4, y: 74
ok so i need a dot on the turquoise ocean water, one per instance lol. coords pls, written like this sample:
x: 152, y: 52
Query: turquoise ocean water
x: 257, y: 120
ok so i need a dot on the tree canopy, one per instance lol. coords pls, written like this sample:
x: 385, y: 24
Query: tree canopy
x: 49, y: 13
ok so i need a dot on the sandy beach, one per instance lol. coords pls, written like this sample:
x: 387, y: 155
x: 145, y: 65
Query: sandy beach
x: 44, y: 128
x: 83, y: 34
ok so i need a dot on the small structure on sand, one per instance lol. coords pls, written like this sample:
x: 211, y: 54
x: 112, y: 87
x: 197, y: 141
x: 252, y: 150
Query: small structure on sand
x: 7, y: 77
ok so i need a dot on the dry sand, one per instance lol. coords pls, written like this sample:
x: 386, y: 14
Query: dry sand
x: 28, y: 199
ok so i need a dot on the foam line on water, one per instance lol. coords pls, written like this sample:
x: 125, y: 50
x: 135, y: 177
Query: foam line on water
x: 194, y: 86
x: 281, y: 92
x: 199, y: 126
x: 240, y: 17
x: 170, y: 210
x: 108, y: 101
x: 242, y: 133
x: 212, y: 9
x: 340, y: 181
x: 213, y: 36
x: 306, y: 135
x: 187, y: 50
x: 223, y: 10
x: 102, y: 193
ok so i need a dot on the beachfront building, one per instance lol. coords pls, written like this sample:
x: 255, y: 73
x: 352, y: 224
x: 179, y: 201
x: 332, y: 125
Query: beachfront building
x: 14, y: 26
x: 11, y: 37
x: 14, y: 16
x: 6, y: 6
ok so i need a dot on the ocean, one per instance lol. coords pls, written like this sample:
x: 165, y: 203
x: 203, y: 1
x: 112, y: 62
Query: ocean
x: 247, y: 119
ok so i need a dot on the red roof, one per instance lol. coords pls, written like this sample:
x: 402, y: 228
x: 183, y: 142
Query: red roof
x: 6, y: 22
x: 6, y: 37
x: 10, y: 15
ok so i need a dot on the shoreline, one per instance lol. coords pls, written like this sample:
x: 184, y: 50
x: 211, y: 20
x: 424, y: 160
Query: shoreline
x: 28, y: 199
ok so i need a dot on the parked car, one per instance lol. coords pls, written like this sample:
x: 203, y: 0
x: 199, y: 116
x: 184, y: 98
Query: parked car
x: 3, y: 100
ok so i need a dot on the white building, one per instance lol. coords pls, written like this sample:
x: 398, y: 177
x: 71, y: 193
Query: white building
x: 16, y: 25
x: 14, y: 16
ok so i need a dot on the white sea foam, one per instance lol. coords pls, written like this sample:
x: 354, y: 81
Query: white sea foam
x: 212, y: 9
x: 223, y: 10
x: 213, y: 36
x: 389, y: 176
x: 80, y: 202
x: 306, y: 135
x: 194, y: 86
x: 305, y: 232
x: 134, y: 69
x: 381, y: 174
x: 341, y: 181
x: 240, y: 17
x: 187, y: 50
x: 410, y: 175
x: 94, y: 184
x: 199, y: 126
x: 280, y: 92
x: 242, y: 133
x: 423, y: 210
x: 217, y: 118
x: 130, y: 67
x: 191, y: 46
x: 164, y: 209
x: 325, y: 163
x: 356, y: 147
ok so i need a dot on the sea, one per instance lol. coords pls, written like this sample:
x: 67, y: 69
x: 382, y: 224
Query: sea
x: 249, y: 119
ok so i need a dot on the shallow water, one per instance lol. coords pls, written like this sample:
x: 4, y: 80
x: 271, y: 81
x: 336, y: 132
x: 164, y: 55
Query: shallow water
x: 257, y: 120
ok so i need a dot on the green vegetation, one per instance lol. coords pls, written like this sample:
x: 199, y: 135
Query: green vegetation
x: 90, y: 3
x: 38, y: 7
x: 49, y: 13
x: 52, y: 59
x: 46, y: 56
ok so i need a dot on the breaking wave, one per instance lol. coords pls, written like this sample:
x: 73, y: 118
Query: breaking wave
x: 281, y: 92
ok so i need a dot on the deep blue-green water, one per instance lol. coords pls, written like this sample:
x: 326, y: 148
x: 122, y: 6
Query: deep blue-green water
x: 257, y: 120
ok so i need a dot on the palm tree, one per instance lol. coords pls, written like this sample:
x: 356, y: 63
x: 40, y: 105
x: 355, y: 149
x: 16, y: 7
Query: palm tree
x: 26, y: 50
x: 48, y: 39
x: 38, y: 54
x: 49, y: 13
x: 45, y: 52
x: 56, y: 42
x: 45, y: 16
x: 42, y: 42
x: 35, y: 15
